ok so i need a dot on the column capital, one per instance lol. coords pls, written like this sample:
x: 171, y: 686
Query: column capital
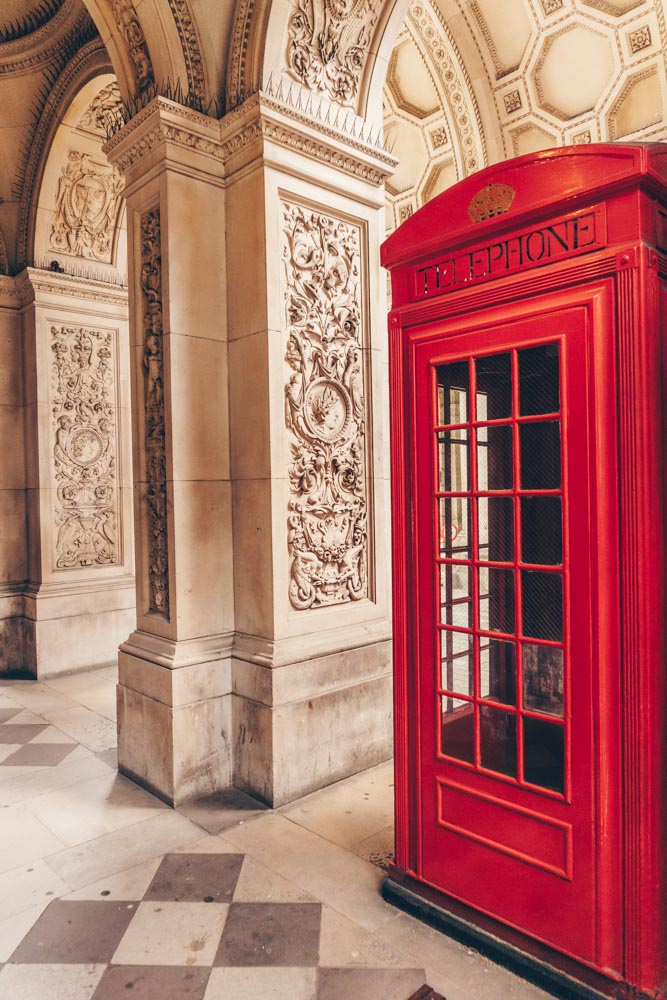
x: 266, y: 125
x: 165, y: 134
x: 40, y: 286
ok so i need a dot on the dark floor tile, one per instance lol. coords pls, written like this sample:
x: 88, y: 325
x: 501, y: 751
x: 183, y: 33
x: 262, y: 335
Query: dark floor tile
x: 368, y: 984
x: 218, y: 812
x: 8, y: 713
x: 271, y: 934
x: 75, y: 931
x: 39, y: 754
x: 426, y: 993
x: 109, y: 757
x: 21, y: 732
x: 193, y: 878
x: 152, y: 982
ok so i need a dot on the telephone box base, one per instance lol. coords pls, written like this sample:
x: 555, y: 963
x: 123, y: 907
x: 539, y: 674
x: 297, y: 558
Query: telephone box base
x: 546, y: 968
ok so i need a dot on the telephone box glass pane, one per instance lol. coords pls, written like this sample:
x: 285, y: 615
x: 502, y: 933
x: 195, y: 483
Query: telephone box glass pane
x: 457, y: 729
x: 497, y: 730
x: 453, y: 393
x: 455, y: 595
x: 540, y: 455
x: 453, y: 461
x: 541, y: 531
x: 494, y: 458
x: 497, y: 670
x: 539, y: 390
x: 454, y: 527
x: 544, y: 754
x: 496, y: 599
x: 543, y: 679
x: 495, y: 520
x: 456, y: 671
x: 494, y: 387
x: 542, y: 597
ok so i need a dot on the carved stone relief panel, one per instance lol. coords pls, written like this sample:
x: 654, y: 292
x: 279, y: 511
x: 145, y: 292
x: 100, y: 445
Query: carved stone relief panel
x: 325, y: 413
x: 87, y: 205
x: 126, y: 19
x: 154, y: 420
x: 106, y: 102
x: 328, y: 42
x: 84, y: 453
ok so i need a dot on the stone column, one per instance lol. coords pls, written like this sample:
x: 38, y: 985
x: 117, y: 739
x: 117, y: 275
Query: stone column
x: 309, y: 449
x: 78, y: 600
x: 174, y: 692
x: 13, y: 545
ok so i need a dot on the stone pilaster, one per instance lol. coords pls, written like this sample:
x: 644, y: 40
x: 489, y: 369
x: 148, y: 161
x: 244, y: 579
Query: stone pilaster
x: 78, y: 599
x: 174, y: 692
x: 308, y: 394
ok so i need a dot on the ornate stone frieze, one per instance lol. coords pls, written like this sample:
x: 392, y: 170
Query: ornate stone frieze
x: 128, y: 24
x: 154, y: 420
x: 83, y: 409
x: 325, y: 412
x: 87, y: 202
x: 106, y: 102
x: 328, y: 42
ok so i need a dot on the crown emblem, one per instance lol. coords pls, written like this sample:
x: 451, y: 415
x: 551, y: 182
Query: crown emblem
x: 495, y: 199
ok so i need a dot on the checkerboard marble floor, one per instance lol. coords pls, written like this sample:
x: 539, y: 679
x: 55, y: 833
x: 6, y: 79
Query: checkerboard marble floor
x: 106, y: 893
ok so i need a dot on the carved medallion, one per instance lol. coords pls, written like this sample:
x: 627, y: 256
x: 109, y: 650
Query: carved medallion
x: 154, y: 425
x: 328, y: 41
x: 84, y: 447
x: 87, y: 204
x: 324, y: 409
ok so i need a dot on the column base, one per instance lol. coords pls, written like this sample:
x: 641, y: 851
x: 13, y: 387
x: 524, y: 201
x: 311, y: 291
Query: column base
x: 71, y: 627
x: 174, y: 715
x: 303, y: 725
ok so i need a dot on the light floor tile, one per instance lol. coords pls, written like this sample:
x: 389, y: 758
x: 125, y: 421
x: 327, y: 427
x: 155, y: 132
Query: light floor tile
x: 172, y: 934
x: 208, y: 845
x: 378, y: 849
x: 93, y: 808
x: 25, y: 716
x: 24, y: 838
x: 29, y: 886
x: 36, y: 696
x: 113, y: 853
x: 129, y: 884
x: 90, y: 728
x: 349, y: 811
x: 258, y: 884
x: 53, y: 735
x: 369, y: 984
x: 32, y: 782
x: 330, y: 873
x: 13, y: 929
x: 6, y: 750
x: 50, y: 982
x: 345, y: 944
x: 267, y: 983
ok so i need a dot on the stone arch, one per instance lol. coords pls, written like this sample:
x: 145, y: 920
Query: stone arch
x: 90, y: 61
x: 148, y: 48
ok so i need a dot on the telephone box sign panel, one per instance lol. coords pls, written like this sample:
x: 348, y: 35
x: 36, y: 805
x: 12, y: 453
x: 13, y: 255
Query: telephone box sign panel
x: 567, y: 236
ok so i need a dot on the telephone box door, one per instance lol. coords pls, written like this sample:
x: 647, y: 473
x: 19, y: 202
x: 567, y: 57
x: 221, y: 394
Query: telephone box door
x: 504, y: 636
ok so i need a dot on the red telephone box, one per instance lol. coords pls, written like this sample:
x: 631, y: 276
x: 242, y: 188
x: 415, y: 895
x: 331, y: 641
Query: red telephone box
x: 527, y: 366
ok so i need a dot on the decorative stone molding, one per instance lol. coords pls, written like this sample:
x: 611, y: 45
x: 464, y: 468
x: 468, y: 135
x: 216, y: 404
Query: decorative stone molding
x: 26, y: 50
x: 154, y: 418
x: 640, y: 39
x: 262, y: 117
x: 34, y: 18
x: 33, y: 280
x: 237, y: 74
x: 4, y: 260
x: 86, y: 209
x: 83, y: 409
x: 106, y: 102
x: 325, y: 411
x: 328, y: 44
x: 127, y: 22
x: 190, y: 45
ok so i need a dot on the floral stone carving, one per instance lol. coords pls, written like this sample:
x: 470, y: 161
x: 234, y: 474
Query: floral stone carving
x: 87, y: 203
x: 328, y: 41
x: 324, y: 410
x: 154, y: 426
x: 106, y: 103
x: 84, y: 447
